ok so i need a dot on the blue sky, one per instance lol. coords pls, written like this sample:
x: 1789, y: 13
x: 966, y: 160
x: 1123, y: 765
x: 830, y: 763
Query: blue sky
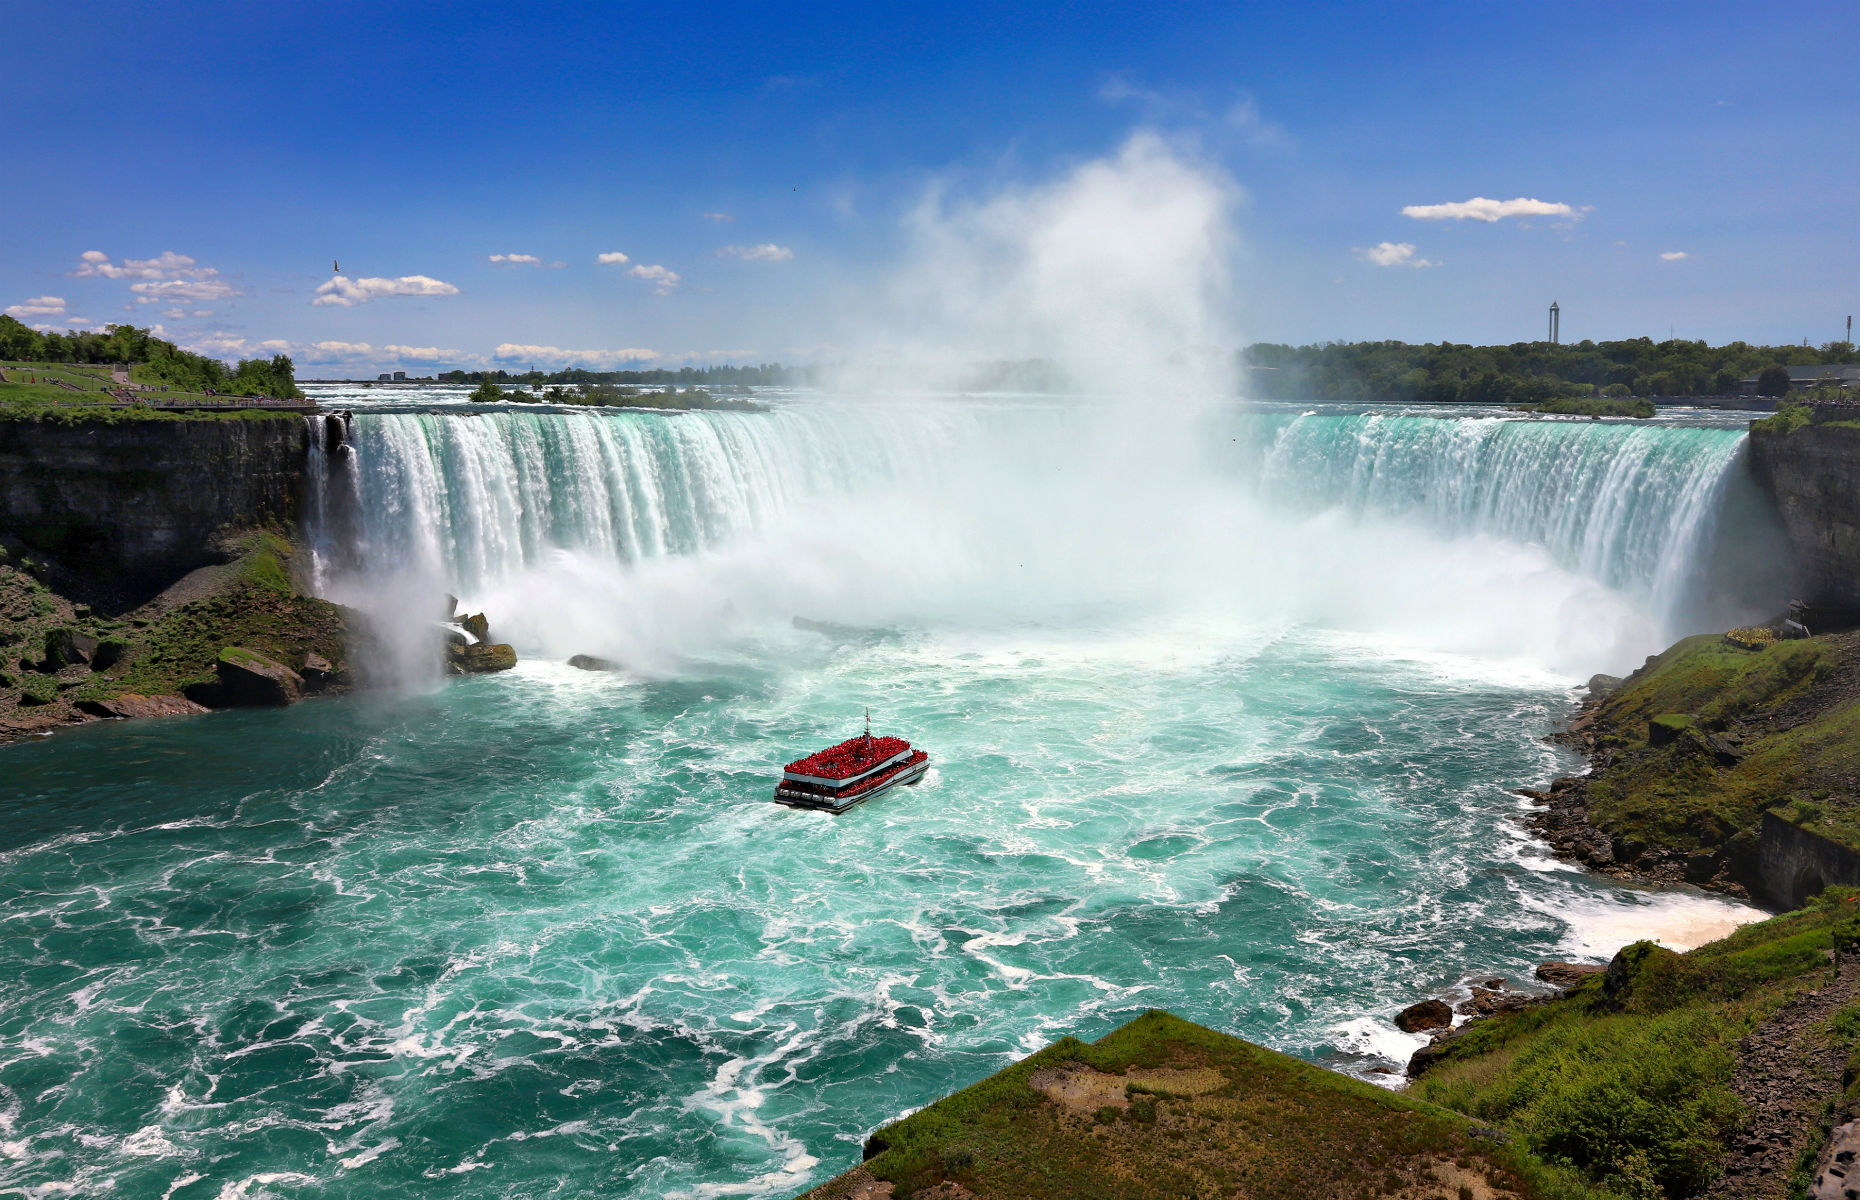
x: 757, y: 166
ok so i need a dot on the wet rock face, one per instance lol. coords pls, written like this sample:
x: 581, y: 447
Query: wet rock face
x: 480, y: 659
x: 141, y: 501
x: 1428, y: 1014
x: 129, y: 705
x: 1567, y: 975
x: 250, y: 680
x: 1813, y: 474
x: 588, y: 662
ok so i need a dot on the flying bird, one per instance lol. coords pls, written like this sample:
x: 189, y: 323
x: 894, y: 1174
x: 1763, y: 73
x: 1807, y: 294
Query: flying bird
x: 335, y: 266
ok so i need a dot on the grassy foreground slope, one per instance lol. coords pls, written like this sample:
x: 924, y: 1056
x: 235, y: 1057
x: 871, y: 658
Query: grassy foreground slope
x: 1642, y: 1078
x: 1667, y: 1076
x: 1165, y: 1108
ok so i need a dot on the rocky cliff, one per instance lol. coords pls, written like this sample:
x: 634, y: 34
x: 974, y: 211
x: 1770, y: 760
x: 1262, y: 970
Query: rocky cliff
x: 140, y: 501
x: 1813, y: 472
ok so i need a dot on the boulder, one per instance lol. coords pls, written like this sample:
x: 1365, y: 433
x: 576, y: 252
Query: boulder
x: 477, y: 625
x: 481, y: 659
x: 129, y: 704
x: 68, y: 648
x: 109, y: 652
x: 250, y: 680
x: 587, y: 662
x: 1665, y: 729
x: 1485, y: 1001
x: 1428, y: 1014
x: 1602, y: 685
x: 319, y: 673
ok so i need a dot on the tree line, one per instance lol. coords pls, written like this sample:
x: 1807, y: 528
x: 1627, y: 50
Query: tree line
x: 156, y: 360
x: 1524, y: 372
x: 763, y: 375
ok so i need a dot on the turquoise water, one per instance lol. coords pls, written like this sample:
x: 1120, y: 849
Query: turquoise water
x: 542, y: 933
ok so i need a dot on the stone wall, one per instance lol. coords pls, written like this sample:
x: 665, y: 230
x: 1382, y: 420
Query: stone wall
x: 1813, y: 474
x: 1793, y: 864
x: 142, y: 500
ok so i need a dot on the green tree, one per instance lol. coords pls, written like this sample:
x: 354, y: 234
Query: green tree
x: 1773, y: 381
x: 487, y: 392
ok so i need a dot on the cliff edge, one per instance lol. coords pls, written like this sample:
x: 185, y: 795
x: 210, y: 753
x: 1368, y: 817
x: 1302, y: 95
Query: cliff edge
x: 1812, y: 470
x: 129, y: 506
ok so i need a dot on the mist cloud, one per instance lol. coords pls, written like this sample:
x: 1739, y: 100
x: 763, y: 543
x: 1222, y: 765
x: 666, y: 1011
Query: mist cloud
x: 1117, y: 272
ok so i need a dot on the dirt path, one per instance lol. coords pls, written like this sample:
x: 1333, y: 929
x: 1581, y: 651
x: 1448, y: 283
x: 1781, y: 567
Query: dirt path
x: 1786, y: 1073
x: 120, y: 376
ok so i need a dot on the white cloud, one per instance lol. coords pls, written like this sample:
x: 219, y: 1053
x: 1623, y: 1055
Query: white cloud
x: 346, y: 292
x: 766, y: 252
x: 556, y: 356
x: 182, y: 289
x: 226, y: 345
x: 557, y: 265
x: 1481, y: 209
x: 1393, y: 254
x: 38, y: 306
x: 663, y: 278
x: 1674, y: 255
x: 338, y: 351
x: 718, y: 216
x: 166, y: 265
x: 516, y: 260
x: 612, y: 259
x: 348, y: 352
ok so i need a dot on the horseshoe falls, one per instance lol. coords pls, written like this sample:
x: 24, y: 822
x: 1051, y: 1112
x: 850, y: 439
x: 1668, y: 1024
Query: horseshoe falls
x: 1222, y: 719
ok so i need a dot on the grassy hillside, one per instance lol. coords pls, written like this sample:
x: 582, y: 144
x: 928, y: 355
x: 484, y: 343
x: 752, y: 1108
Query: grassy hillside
x: 1649, y: 1082
x: 1752, y: 729
x: 1633, y: 1078
x: 1164, y: 1108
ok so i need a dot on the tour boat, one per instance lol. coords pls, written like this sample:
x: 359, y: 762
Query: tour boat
x: 850, y: 773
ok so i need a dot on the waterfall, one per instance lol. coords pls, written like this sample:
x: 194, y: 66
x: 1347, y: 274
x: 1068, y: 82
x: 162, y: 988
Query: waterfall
x: 1034, y: 504
x: 1630, y: 506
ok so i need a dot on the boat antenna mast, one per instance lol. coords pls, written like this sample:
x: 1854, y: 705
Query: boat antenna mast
x: 868, y: 723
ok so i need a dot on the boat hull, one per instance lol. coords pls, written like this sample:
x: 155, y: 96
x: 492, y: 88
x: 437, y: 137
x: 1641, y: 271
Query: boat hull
x: 909, y: 775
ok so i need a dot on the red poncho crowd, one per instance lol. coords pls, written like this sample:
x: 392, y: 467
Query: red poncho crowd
x: 849, y: 757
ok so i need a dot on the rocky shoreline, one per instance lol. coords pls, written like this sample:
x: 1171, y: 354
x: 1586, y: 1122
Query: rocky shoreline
x: 1562, y: 819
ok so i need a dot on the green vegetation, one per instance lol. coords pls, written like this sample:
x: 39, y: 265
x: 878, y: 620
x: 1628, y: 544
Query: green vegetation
x: 1165, y: 1108
x: 1627, y: 1078
x: 1521, y: 373
x: 1797, y: 411
x: 1740, y: 731
x: 1595, y: 406
x: 156, y: 361
x: 764, y: 375
x: 163, y: 648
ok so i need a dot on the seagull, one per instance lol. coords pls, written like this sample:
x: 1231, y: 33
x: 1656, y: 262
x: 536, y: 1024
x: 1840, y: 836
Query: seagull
x: 335, y: 266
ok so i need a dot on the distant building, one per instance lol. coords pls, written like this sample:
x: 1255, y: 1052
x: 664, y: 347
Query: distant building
x: 385, y: 377
x: 400, y: 376
x: 1801, y: 378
